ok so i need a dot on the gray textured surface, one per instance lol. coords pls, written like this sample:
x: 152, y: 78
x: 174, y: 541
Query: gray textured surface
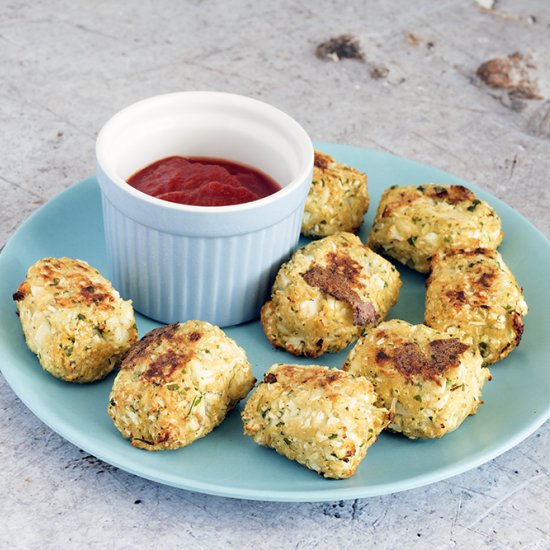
x: 67, y: 66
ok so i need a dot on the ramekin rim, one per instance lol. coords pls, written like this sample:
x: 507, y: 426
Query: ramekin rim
x: 177, y: 207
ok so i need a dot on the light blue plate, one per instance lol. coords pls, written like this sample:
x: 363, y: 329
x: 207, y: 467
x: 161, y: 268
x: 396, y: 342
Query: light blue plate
x: 226, y: 462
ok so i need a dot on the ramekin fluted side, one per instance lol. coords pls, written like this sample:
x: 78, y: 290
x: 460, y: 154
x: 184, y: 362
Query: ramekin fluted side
x: 177, y: 261
x: 158, y: 270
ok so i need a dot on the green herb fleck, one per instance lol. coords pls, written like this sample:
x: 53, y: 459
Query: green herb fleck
x: 472, y: 206
x: 411, y: 240
x: 483, y: 349
x: 81, y: 317
x: 333, y: 436
x: 196, y: 401
x: 173, y: 387
x: 287, y: 441
x: 418, y: 397
x: 55, y: 282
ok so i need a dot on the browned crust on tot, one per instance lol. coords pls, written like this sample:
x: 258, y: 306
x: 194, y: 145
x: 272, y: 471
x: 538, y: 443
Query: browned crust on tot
x: 319, y: 377
x: 482, y: 280
x: 94, y: 294
x: 162, y: 437
x: 140, y: 349
x: 452, y: 194
x: 469, y: 252
x: 486, y: 279
x: 65, y: 274
x: 409, y: 360
x: 443, y: 355
x: 517, y: 323
x: 338, y: 281
x: 446, y: 351
x: 382, y: 356
x: 404, y: 198
x: 21, y: 292
x: 322, y: 161
x: 270, y: 378
x: 165, y: 365
x: 345, y: 266
x: 456, y: 297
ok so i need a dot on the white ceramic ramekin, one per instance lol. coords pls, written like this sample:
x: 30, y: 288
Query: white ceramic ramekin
x: 179, y: 262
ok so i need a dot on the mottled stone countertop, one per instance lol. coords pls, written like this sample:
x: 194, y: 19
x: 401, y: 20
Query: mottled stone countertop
x: 68, y: 65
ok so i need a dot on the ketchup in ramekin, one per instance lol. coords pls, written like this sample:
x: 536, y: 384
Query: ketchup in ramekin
x: 201, y: 181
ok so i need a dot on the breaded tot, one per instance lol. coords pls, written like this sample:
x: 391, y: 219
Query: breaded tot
x: 337, y: 200
x: 471, y: 294
x: 323, y: 418
x: 326, y: 294
x: 430, y: 382
x: 177, y: 384
x: 73, y: 319
x: 414, y: 222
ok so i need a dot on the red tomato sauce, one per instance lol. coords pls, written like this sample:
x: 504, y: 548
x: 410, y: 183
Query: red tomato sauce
x: 203, y: 181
